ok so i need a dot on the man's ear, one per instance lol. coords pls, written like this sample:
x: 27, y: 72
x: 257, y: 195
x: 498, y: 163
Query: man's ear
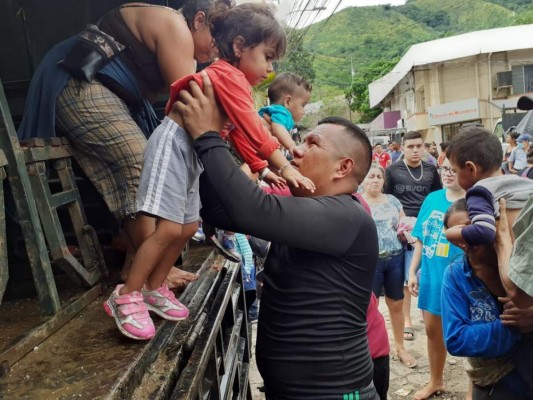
x: 238, y: 46
x: 199, y: 20
x: 346, y: 166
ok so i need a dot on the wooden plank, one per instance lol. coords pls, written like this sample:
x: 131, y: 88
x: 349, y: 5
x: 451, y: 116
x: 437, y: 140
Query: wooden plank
x: 63, y: 198
x: 54, y: 231
x: 36, y: 336
x: 27, y: 212
x: 3, y: 160
x: 4, y: 267
x: 32, y: 154
x: 91, y: 252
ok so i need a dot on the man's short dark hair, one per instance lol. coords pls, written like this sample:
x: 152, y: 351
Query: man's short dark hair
x: 359, y: 135
x: 444, y: 146
x: 478, y: 145
x: 286, y: 83
x: 412, y: 135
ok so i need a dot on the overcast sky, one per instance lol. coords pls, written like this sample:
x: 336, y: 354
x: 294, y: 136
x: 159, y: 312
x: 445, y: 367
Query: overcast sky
x: 314, y: 16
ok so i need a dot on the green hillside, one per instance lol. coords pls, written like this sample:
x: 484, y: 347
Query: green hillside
x: 363, y: 35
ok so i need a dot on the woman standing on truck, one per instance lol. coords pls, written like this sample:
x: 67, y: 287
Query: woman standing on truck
x: 108, y: 117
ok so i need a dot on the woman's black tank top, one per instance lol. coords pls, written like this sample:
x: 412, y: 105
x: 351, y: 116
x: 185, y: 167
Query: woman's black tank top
x: 139, y: 58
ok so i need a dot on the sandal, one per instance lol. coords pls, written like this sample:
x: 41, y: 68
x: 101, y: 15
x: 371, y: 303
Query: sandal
x: 406, y: 359
x: 408, y: 333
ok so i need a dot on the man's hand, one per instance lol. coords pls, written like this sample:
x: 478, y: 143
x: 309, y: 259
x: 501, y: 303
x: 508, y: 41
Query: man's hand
x: 199, y: 110
x: 522, y: 318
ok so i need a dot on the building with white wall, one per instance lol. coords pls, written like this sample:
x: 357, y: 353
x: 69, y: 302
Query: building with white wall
x: 442, y: 84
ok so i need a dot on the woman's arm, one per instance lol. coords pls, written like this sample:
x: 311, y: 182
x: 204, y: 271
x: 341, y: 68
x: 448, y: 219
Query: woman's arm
x: 504, y: 248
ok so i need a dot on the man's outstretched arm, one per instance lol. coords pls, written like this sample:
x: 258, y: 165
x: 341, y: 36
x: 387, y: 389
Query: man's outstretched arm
x: 230, y: 200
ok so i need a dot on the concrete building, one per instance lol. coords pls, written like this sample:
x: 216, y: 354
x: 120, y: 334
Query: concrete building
x: 440, y: 85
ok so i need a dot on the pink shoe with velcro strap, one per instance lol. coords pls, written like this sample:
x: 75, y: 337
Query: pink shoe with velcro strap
x: 131, y: 314
x: 163, y: 302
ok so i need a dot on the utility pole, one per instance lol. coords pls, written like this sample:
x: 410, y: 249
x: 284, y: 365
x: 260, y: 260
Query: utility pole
x: 351, y: 84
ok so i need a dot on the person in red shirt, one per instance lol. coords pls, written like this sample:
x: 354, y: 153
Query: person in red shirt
x: 380, y: 156
x: 249, y: 39
x: 246, y: 59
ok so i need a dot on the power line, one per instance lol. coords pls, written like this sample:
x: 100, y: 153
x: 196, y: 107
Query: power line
x: 315, y: 7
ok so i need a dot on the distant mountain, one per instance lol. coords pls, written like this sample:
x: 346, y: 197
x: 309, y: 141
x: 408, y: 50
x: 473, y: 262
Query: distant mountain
x: 360, y: 35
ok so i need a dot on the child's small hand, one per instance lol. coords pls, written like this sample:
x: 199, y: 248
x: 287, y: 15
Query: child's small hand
x: 294, y: 178
x: 275, y: 181
x: 454, y: 236
x: 412, y: 285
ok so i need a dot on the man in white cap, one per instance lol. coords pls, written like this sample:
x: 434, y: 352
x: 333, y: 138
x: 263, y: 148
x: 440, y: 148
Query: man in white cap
x: 518, y: 157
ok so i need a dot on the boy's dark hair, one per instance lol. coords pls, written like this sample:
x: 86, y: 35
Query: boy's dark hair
x: 444, y: 146
x: 191, y: 7
x: 457, y: 206
x: 255, y: 23
x: 412, y: 135
x: 478, y: 145
x: 286, y: 83
x: 359, y: 135
x: 530, y: 155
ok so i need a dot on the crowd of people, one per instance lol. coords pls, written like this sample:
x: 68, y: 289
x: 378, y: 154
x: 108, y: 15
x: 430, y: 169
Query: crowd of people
x: 333, y: 251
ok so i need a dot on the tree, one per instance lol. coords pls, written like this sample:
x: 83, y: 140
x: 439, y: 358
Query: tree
x: 297, y: 60
x: 525, y: 17
x: 357, y: 93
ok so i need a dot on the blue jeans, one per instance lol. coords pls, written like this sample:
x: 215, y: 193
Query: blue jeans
x: 389, y: 275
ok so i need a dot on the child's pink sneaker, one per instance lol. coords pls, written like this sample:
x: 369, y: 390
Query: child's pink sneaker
x: 163, y: 302
x: 131, y: 314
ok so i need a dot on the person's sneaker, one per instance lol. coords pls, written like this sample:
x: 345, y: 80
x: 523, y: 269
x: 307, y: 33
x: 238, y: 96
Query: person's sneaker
x: 131, y: 314
x: 230, y: 255
x: 199, y: 236
x: 163, y: 302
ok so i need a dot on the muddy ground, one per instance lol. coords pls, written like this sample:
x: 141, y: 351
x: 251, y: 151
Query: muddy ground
x: 404, y: 382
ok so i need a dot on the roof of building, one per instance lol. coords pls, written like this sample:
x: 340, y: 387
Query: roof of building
x: 451, y: 48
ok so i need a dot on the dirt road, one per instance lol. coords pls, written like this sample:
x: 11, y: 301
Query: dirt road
x: 404, y: 382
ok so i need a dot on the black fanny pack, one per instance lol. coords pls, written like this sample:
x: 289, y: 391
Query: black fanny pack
x: 90, y: 53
